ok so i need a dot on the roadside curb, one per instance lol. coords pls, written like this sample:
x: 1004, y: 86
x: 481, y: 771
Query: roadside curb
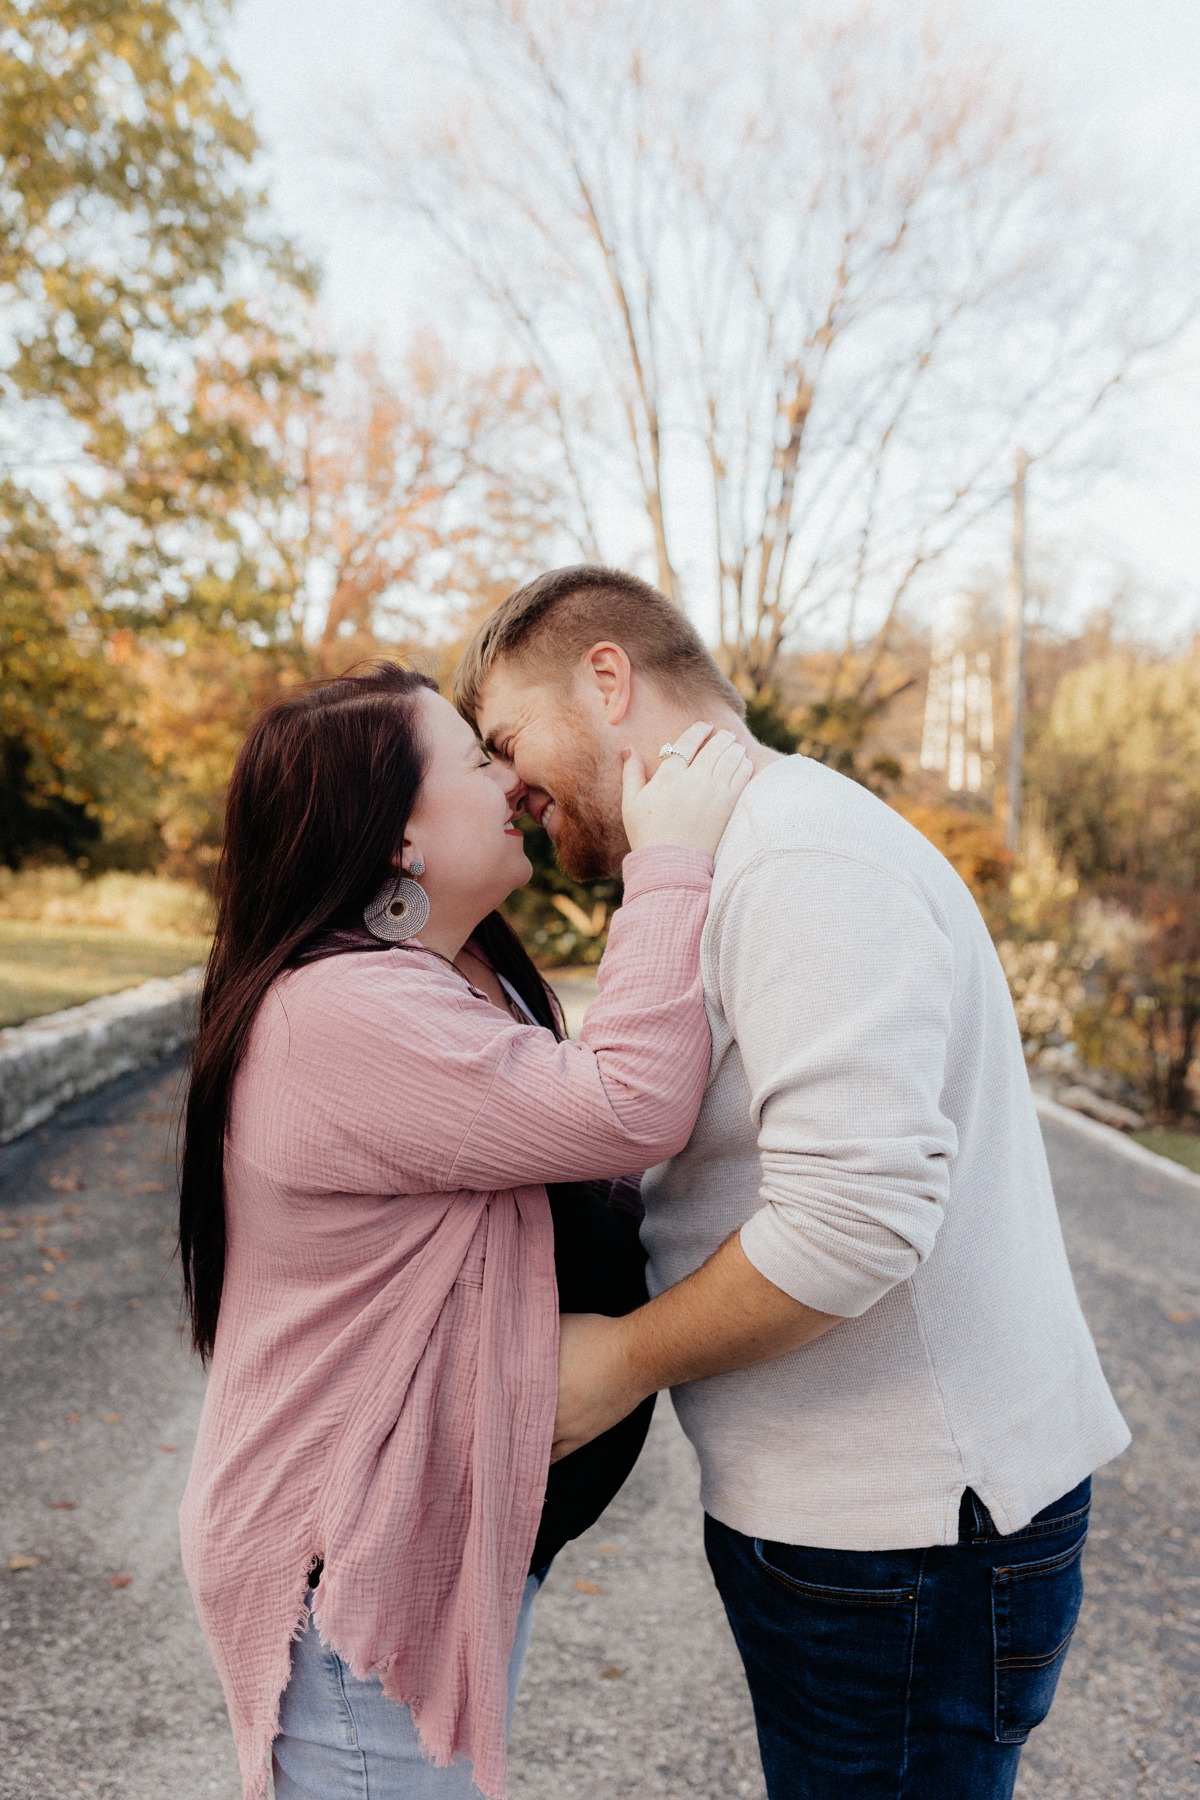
x: 67, y: 1054
x: 1114, y: 1140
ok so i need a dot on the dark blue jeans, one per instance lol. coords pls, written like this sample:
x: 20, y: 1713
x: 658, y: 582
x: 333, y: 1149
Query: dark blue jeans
x: 905, y: 1674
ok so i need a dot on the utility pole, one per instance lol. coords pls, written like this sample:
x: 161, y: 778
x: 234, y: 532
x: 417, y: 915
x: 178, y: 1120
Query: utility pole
x: 1015, y: 660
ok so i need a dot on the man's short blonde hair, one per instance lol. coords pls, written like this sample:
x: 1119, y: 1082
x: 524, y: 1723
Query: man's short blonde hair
x: 550, y: 623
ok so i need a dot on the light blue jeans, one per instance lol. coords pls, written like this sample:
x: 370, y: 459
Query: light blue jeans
x: 342, y: 1739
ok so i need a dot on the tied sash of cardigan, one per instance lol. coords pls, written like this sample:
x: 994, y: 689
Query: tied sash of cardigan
x: 384, y: 1377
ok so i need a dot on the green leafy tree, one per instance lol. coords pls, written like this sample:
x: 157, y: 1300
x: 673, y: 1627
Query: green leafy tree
x: 151, y: 319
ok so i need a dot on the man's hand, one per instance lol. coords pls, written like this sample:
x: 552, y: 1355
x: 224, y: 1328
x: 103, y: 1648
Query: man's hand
x: 724, y: 1316
x: 596, y: 1386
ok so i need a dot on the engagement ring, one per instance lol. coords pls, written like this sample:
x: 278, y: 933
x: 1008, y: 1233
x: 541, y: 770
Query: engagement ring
x: 671, y: 750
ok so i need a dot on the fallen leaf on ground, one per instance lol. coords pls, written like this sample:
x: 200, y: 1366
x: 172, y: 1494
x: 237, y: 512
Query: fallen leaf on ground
x: 112, y: 1418
x: 72, y: 1211
x: 72, y: 1418
x: 588, y: 1587
x: 43, y: 1444
x: 12, y: 1331
x: 609, y: 1549
x: 47, y: 1268
x: 612, y: 1673
x: 66, y: 1184
x: 32, y: 1280
x: 168, y: 1449
x: 23, y: 1562
x: 149, y: 1187
x: 133, y: 1305
x: 63, y: 1505
x: 1180, y: 1318
x: 121, y: 1581
x: 50, y: 1294
x: 8, y: 1231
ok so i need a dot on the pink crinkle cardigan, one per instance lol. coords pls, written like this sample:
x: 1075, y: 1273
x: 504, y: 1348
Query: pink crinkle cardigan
x: 383, y: 1383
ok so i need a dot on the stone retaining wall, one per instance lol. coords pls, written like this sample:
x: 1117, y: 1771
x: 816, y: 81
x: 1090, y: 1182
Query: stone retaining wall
x: 65, y: 1054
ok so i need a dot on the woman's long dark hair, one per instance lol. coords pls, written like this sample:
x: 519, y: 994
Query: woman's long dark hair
x: 318, y: 803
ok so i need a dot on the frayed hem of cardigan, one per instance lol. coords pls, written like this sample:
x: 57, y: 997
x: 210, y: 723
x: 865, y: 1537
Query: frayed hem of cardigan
x: 441, y: 1759
x: 438, y: 1757
x: 256, y: 1781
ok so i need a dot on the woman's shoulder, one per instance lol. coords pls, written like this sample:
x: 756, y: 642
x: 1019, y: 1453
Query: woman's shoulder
x: 359, y: 984
x: 323, y: 1027
x: 400, y: 1002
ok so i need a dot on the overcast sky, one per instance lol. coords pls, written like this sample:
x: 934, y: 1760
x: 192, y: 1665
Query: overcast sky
x: 1123, y: 74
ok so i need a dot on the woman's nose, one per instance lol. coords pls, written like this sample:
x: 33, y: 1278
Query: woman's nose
x: 510, y: 781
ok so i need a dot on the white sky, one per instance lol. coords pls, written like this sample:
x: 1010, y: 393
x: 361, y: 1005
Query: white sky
x: 1122, y: 73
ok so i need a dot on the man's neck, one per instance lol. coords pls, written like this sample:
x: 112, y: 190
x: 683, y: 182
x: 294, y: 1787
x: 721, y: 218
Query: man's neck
x: 664, y: 722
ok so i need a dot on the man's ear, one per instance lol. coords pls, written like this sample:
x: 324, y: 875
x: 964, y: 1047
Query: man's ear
x: 607, y: 670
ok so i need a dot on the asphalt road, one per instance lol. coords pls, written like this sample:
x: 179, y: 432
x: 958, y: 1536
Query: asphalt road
x: 633, y: 1688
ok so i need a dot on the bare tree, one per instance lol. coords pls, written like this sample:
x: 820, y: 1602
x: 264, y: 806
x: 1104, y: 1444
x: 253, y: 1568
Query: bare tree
x: 792, y: 290
x: 418, y: 495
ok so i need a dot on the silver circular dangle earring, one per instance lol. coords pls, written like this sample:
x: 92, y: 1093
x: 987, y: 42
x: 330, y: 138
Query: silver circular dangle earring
x: 400, y: 909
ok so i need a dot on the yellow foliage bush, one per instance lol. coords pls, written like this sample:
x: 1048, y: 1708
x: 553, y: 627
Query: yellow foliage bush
x: 140, y: 904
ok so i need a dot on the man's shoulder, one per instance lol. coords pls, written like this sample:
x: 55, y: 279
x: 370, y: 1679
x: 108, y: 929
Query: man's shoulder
x: 856, y: 850
x: 801, y: 806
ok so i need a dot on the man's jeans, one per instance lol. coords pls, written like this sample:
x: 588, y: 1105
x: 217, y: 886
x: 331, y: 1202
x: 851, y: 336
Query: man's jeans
x: 910, y: 1674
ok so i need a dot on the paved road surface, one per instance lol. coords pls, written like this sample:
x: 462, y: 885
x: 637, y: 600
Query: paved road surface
x: 633, y: 1689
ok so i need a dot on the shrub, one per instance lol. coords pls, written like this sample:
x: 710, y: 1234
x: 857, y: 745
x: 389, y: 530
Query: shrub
x: 142, y: 904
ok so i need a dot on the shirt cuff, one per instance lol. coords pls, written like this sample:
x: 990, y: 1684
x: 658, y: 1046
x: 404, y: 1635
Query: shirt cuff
x: 665, y: 866
x: 822, y: 1281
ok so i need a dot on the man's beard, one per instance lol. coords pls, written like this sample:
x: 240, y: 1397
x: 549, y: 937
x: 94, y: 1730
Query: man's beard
x: 590, y: 838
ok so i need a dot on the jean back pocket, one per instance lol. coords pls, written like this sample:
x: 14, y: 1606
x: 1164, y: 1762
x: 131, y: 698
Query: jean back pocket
x: 1034, y: 1609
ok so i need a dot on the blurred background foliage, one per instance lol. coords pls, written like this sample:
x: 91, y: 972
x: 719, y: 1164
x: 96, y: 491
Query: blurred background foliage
x: 202, y: 506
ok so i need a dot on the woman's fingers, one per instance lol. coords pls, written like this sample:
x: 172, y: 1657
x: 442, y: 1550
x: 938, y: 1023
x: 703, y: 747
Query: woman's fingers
x: 688, y: 742
x: 711, y: 751
x: 688, y: 803
x: 734, y: 764
x: 633, y: 776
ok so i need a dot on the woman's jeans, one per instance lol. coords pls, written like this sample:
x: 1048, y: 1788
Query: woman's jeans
x: 342, y: 1739
x: 910, y: 1674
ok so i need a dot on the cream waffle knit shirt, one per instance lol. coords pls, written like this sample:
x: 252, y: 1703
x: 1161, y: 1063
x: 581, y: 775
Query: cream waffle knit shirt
x: 868, y: 1125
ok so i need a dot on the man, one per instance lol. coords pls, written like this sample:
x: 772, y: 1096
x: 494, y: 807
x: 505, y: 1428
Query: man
x: 862, y: 1300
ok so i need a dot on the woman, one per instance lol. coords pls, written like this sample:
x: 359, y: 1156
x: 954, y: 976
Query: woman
x: 367, y: 1245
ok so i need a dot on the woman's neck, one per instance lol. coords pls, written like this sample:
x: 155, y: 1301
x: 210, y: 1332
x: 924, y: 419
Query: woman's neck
x: 445, y: 936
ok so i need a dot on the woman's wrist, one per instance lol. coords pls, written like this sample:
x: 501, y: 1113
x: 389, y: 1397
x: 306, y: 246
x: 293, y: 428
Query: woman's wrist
x: 665, y: 865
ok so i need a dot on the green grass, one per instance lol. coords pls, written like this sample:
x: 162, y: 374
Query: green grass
x: 44, y: 967
x: 1181, y: 1146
